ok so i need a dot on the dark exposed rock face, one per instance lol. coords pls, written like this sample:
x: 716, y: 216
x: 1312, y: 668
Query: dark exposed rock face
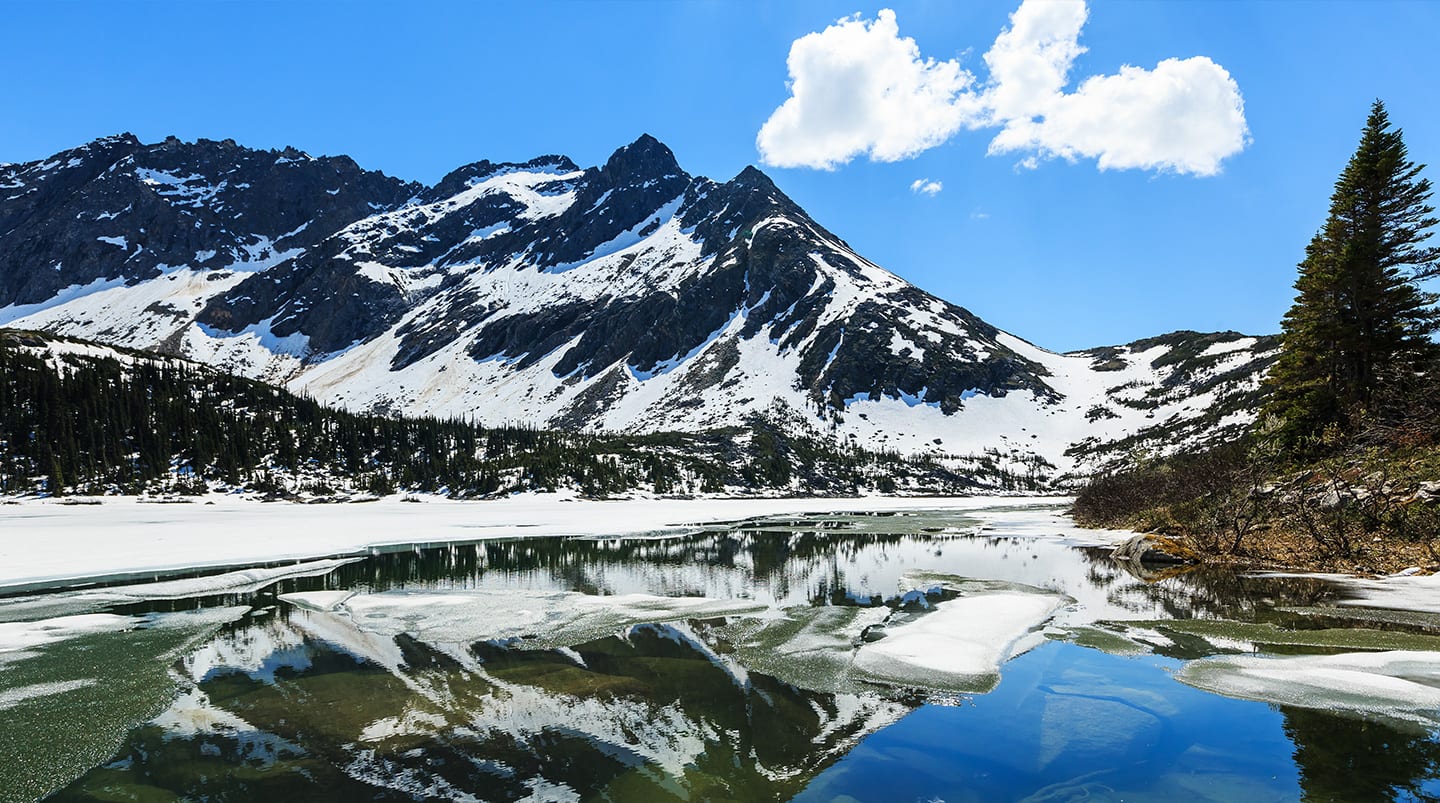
x: 119, y: 210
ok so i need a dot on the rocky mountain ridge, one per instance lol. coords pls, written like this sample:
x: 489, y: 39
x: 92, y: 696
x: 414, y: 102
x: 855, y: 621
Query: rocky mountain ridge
x: 629, y: 296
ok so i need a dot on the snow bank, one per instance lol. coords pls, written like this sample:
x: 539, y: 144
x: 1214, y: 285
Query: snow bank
x: 48, y: 545
x: 1399, y: 685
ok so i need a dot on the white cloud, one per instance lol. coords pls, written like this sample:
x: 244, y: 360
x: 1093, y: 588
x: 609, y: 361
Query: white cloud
x: 1030, y: 61
x: 859, y: 88
x: 924, y: 186
x: 1184, y: 116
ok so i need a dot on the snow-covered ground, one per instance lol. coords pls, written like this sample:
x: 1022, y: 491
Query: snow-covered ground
x: 49, y: 544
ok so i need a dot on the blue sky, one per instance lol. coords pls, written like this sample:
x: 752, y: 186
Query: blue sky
x: 1062, y: 253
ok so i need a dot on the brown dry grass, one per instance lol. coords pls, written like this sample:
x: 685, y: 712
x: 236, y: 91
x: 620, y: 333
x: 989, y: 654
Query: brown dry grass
x: 1281, y: 548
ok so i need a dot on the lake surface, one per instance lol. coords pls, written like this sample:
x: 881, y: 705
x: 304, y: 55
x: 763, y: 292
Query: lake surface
x: 904, y: 657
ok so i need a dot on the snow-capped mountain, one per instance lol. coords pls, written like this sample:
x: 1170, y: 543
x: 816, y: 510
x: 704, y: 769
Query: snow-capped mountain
x: 630, y: 296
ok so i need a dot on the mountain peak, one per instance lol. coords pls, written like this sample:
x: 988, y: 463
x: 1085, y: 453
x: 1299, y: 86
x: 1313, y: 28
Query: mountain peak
x: 754, y: 178
x: 646, y: 156
x: 123, y: 138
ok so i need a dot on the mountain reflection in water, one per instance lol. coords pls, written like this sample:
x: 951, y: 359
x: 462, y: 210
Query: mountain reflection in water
x: 292, y: 703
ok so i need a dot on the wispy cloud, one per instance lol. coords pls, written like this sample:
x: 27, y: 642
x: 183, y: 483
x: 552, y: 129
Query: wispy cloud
x: 924, y: 186
x: 859, y: 88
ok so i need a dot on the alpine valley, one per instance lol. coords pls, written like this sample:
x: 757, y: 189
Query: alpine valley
x: 629, y: 297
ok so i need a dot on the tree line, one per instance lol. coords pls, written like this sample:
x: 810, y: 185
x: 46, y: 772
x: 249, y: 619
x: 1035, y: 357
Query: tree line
x: 95, y: 421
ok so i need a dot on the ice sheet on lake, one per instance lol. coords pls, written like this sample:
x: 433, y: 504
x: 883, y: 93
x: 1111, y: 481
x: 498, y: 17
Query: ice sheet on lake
x: 9, y: 698
x: 22, y: 636
x: 958, y: 646
x: 541, y: 618
x: 1397, y: 685
x: 318, y: 600
x: 809, y: 647
x: 236, y: 582
x: 1044, y: 521
x: 45, y: 544
x: 18, y: 640
x: 245, y: 581
x: 1415, y: 593
x: 962, y: 643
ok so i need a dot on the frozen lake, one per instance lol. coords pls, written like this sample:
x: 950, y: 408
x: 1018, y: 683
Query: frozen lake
x: 963, y: 651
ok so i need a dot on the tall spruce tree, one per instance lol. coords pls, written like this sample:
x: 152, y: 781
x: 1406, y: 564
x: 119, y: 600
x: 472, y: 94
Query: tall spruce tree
x: 1359, y: 334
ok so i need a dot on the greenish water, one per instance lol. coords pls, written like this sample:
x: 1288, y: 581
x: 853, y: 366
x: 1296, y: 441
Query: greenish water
x: 547, y: 669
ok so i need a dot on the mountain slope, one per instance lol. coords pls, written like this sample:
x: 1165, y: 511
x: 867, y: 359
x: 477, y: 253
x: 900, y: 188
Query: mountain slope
x: 630, y: 296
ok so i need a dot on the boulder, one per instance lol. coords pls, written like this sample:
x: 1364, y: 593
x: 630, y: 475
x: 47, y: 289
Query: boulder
x: 1151, y: 548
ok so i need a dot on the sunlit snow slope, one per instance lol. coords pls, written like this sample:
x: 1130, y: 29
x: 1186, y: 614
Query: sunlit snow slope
x: 630, y: 296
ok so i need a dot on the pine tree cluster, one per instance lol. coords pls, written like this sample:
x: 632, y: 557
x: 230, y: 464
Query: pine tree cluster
x: 1342, y: 471
x: 1357, y: 345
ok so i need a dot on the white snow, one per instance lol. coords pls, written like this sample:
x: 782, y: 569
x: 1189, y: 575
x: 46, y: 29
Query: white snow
x: 1229, y: 346
x: 1400, y: 684
x: 15, y: 314
x: 191, y: 191
x: 685, y: 391
x: 256, y: 335
x: 899, y: 345
x: 627, y: 238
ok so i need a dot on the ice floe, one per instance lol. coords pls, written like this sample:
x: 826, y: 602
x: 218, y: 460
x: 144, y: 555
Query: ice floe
x: 958, y: 645
x: 1399, y: 685
x: 1408, y: 593
x: 962, y: 643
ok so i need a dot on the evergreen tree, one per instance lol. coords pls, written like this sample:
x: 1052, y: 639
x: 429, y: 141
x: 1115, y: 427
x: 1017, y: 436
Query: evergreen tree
x: 1360, y: 328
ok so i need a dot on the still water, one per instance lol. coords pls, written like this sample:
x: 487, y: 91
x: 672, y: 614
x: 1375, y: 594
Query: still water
x: 906, y: 657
